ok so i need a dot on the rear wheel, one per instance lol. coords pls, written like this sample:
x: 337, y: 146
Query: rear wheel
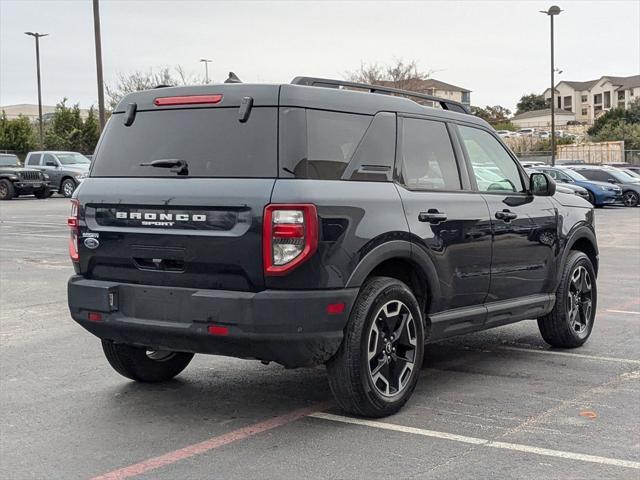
x: 376, y: 369
x: 630, y: 199
x: 570, y: 322
x: 67, y: 187
x: 7, y: 192
x: 145, y: 365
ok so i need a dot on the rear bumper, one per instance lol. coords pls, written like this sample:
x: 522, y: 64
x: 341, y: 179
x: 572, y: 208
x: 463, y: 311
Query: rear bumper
x: 292, y: 328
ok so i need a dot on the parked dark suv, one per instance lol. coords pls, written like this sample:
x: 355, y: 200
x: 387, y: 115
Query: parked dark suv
x: 308, y: 224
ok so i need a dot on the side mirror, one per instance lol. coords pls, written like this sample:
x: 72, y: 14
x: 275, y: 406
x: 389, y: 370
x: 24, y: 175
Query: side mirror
x: 542, y: 185
x: 611, y: 180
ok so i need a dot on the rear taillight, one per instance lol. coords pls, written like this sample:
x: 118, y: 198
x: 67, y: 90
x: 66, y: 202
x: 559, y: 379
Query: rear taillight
x: 74, y: 226
x: 290, y: 236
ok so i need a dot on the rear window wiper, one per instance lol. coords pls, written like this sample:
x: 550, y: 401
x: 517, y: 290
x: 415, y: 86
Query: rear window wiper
x: 177, y: 166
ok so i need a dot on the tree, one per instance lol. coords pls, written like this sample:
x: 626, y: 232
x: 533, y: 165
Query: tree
x: 136, y: 81
x: 17, y: 135
x: 616, y: 117
x: 399, y: 74
x: 68, y: 131
x: 494, y: 115
x: 90, y: 132
x: 531, y: 102
x: 64, y: 130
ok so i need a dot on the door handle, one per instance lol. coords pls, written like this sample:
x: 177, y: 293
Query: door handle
x: 506, y: 215
x: 432, y: 216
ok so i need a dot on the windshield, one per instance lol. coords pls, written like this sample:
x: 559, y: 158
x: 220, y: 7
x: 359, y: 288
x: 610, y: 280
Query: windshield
x: 9, y: 161
x: 621, y: 176
x: 575, y: 175
x: 631, y: 173
x: 72, y: 159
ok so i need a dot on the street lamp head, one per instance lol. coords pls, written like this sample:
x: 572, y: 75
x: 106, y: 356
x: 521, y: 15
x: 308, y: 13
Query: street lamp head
x: 554, y: 10
x: 206, y: 60
x: 36, y: 34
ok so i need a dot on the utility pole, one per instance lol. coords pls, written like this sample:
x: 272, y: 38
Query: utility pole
x: 552, y: 12
x: 98, y: 41
x: 37, y: 36
x: 206, y: 68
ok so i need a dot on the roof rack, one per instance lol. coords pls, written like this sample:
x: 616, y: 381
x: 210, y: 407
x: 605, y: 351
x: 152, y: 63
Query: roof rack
x: 329, y: 83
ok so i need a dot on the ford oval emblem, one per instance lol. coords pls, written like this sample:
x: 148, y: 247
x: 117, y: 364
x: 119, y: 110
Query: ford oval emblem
x: 91, y: 243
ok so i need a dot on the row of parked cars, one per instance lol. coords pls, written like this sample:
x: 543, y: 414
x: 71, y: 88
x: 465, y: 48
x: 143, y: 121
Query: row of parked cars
x: 43, y: 174
x: 534, y: 132
x: 599, y: 184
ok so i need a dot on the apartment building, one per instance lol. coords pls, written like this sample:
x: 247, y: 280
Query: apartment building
x: 431, y: 86
x: 588, y: 100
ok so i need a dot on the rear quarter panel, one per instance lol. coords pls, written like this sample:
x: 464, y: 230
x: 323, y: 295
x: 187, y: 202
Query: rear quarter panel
x: 354, y: 218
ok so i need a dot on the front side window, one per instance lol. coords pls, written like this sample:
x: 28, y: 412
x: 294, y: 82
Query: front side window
x: 427, y: 158
x: 493, y: 168
x: 49, y: 161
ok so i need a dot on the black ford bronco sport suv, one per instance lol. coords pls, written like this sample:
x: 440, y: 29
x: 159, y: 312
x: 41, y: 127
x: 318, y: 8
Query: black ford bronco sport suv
x: 318, y: 222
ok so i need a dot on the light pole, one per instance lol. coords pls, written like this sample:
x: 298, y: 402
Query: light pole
x: 37, y: 36
x: 206, y: 68
x: 552, y: 12
x: 98, y: 42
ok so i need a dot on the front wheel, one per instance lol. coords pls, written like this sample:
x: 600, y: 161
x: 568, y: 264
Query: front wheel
x: 145, y: 365
x: 570, y: 322
x: 376, y: 369
x: 67, y: 187
x: 591, y: 198
x: 630, y: 199
x: 7, y: 192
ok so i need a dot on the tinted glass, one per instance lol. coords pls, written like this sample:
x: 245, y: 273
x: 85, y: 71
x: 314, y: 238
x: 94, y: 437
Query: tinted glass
x: 575, y: 175
x: 34, y: 159
x: 212, y: 142
x: 49, y: 161
x: 318, y: 144
x: 597, y: 175
x: 427, y: 158
x: 493, y: 167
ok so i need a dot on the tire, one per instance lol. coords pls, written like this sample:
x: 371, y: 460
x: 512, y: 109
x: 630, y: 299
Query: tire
x: 137, y: 363
x: 67, y: 187
x: 630, y: 198
x: 7, y: 191
x: 591, y: 198
x: 570, y: 323
x: 43, y: 193
x: 356, y: 385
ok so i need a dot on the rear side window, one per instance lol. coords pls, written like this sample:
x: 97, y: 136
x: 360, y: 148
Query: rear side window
x: 427, y: 158
x: 319, y: 144
x: 34, y: 159
x: 211, y: 140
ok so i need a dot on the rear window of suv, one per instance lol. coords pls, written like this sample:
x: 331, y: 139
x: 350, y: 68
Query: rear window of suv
x: 211, y: 140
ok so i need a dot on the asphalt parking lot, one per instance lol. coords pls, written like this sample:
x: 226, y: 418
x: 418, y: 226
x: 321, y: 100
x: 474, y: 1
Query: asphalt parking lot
x: 496, y: 404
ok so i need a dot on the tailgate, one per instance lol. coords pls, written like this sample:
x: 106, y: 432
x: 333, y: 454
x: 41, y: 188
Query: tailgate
x: 181, y: 232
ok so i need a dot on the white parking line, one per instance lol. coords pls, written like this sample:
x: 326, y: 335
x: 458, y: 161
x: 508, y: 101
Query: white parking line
x: 575, y: 355
x: 40, y: 235
x: 624, y: 311
x: 483, y: 442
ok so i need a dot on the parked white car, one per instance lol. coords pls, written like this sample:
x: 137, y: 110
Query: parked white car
x: 527, y: 132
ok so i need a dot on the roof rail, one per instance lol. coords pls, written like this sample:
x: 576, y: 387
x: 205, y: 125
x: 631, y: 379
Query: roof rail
x: 329, y: 83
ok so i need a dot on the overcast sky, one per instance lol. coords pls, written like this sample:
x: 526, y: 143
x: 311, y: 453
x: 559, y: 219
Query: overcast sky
x: 497, y: 49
